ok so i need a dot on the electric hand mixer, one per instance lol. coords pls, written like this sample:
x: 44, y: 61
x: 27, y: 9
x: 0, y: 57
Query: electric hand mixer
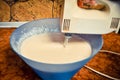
x: 90, y: 21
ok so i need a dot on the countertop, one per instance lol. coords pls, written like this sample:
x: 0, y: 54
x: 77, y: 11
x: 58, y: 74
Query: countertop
x: 13, y: 68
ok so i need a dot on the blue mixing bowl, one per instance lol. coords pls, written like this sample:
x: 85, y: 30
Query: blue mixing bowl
x: 45, y: 70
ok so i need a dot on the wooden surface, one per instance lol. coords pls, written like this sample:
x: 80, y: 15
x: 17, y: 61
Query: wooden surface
x: 13, y: 68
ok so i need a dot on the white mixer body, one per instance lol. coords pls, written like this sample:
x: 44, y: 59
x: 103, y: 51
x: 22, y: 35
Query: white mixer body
x: 78, y: 20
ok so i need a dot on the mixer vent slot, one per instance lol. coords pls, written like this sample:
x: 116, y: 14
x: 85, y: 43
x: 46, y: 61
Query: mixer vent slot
x: 66, y: 24
x: 115, y: 23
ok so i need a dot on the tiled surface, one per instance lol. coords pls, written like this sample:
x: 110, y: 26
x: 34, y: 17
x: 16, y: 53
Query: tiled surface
x: 26, y: 10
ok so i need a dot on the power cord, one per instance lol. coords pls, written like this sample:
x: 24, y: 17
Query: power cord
x: 100, y: 73
x: 110, y: 52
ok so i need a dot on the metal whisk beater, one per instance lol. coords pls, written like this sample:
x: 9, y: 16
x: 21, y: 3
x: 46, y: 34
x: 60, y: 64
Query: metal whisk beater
x: 66, y: 40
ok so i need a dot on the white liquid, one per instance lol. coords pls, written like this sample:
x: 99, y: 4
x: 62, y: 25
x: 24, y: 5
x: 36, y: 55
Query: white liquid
x: 48, y: 48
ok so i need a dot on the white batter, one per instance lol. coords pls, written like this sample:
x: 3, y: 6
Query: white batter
x: 48, y: 48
